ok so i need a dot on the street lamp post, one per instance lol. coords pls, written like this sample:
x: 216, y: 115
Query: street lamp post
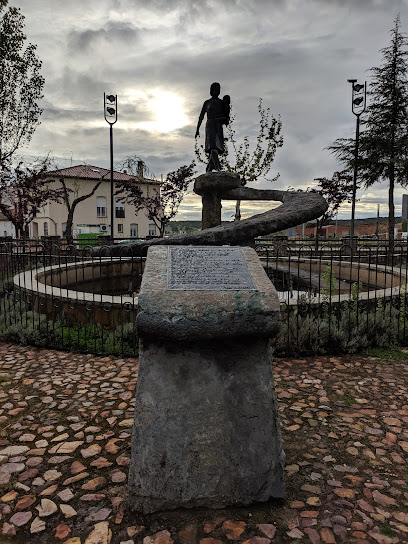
x: 110, y: 105
x: 358, y: 105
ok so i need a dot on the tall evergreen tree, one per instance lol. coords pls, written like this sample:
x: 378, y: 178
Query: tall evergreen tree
x: 383, y: 150
x: 21, y: 84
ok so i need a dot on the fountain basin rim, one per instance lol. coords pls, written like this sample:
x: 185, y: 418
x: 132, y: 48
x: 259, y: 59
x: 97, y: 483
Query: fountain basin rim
x: 370, y: 295
x: 31, y: 282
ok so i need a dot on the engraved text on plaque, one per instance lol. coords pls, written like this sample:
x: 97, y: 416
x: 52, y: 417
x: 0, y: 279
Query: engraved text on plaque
x: 202, y: 268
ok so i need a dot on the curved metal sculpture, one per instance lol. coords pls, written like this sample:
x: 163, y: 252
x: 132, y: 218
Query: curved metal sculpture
x: 297, y: 207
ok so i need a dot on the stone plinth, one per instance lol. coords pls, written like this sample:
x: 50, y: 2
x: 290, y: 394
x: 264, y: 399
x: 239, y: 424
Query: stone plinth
x: 210, y: 186
x: 206, y: 429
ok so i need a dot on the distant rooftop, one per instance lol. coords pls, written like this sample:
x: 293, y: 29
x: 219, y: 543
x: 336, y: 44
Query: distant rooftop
x: 87, y: 171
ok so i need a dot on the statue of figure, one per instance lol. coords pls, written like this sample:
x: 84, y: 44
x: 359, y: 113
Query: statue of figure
x: 218, y: 112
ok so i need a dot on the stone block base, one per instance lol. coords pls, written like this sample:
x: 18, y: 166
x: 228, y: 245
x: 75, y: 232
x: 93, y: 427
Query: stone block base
x: 206, y: 427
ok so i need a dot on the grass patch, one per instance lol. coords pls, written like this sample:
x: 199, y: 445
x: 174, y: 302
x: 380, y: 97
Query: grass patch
x: 388, y: 354
x: 348, y: 399
x: 9, y: 486
x: 385, y: 529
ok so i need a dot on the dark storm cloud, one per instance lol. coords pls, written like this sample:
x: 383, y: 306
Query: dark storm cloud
x: 76, y: 84
x: 58, y: 114
x: 367, y: 4
x: 165, y: 6
x: 80, y: 41
x: 164, y: 164
x: 186, y: 131
x: 209, y: 6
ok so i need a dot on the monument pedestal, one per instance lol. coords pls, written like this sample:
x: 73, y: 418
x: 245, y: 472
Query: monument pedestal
x: 206, y: 429
x: 210, y: 186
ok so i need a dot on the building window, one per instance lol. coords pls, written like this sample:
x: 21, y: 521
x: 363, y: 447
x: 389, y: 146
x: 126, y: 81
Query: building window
x: 120, y: 208
x: 134, y: 230
x: 64, y: 228
x: 45, y: 228
x: 120, y: 227
x: 101, y: 206
x: 152, y: 229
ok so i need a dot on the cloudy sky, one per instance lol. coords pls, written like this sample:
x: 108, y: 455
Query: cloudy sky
x: 160, y: 57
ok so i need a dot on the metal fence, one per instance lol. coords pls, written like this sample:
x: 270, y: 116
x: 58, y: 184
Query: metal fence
x: 66, y: 297
x: 339, y: 299
x: 336, y: 299
x: 322, y: 243
x: 81, y: 241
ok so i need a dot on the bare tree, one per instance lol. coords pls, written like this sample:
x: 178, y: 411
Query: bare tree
x: 336, y: 191
x: 24, y: 190
x: 71, y: 197
x: 162, y: 206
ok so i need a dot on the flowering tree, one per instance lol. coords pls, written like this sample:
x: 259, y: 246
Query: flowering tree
x: 160, y: 207
x: 23, y: 191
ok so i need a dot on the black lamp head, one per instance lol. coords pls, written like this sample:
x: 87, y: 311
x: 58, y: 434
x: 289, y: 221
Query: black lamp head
x: 358, y: 101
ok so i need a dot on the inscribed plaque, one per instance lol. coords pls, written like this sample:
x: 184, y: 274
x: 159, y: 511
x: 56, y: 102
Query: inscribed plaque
x: 207, y: 268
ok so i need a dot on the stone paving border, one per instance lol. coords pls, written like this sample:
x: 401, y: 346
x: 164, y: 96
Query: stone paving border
x: 66, y: 419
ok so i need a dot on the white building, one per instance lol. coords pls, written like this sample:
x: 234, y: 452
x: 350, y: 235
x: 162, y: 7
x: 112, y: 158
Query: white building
x: 93, y: 214
x: 6, y: 227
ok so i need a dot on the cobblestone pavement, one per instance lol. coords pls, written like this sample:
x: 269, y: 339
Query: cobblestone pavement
x: 65, y: 449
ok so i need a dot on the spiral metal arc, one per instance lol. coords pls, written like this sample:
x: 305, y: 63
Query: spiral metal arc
x: 297, y: 207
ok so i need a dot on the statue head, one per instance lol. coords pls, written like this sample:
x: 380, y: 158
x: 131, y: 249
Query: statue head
x: 215, y: 90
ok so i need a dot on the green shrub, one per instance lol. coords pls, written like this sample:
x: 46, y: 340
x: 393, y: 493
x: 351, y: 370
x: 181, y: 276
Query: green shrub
x: 330, y: 283
x: 20, y: 324
x: 305, y: 331
x: 349, y: 332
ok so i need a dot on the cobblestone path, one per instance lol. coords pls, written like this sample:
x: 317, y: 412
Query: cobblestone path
x: 65, y: 425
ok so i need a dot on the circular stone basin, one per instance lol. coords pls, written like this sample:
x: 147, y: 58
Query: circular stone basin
x: 380, y: 281
x: 102, y: 291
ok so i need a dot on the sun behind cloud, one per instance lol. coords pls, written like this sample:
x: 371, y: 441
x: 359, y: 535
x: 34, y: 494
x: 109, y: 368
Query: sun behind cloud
x: 163, y: 111
x: 168, y: 108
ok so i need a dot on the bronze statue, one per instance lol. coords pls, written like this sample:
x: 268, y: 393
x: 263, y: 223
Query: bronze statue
x: 218, y: 112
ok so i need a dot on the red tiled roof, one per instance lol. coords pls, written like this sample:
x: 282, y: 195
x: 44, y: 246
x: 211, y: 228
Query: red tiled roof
x: 86, y: 171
